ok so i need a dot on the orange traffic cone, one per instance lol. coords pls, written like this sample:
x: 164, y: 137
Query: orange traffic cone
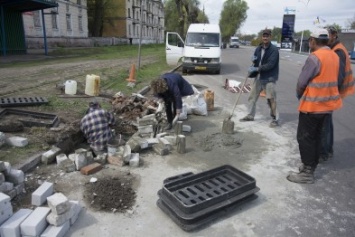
x: 132, y: 74
x: 262, y: 93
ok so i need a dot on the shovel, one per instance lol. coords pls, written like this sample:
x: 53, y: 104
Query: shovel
x: 228, y: 125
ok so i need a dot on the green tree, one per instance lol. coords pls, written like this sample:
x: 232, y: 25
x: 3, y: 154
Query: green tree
x: 335, y: 25
x: 233, y: 14
x: 179, y: 14
x: 99, y: 12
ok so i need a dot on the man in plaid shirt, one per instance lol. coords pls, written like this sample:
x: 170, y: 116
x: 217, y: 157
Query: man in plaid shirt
x: 96, y: 127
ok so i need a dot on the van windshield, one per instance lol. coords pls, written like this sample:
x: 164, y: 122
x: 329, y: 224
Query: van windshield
x: 235, y: 40
x: 202, y: 39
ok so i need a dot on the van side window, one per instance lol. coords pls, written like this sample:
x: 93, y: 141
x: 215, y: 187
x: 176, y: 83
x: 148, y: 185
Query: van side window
x: 174, y: 40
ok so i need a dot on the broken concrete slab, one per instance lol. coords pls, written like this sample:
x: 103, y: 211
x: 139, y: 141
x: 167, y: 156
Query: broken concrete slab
x: 49, y: 157
x: 39, y: 196
x: 15, y: 176
x: 58, y: 203
x: 17, y: 141
x: 134, y: 161
x: 61, y: 158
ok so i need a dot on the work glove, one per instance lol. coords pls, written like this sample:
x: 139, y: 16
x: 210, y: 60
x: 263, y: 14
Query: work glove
x: 253, y: 58
x: 253, y: 69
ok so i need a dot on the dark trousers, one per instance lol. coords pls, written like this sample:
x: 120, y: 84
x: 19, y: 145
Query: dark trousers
x: 170, y: 110
x: 309, y: 135
x: 327, y: 136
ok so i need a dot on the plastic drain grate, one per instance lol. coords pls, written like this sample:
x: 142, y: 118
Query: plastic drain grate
x: 22, y: 101
x: 192, y: 200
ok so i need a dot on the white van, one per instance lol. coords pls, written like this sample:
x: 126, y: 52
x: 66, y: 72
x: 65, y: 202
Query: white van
x: 201, y: 50
x: 234, y: 42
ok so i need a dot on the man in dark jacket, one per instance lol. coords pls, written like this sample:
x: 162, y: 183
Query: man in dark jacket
x: 171, y: 87
x: 265, y: 69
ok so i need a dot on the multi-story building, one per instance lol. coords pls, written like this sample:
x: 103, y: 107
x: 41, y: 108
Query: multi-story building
x: 131, y: 15
x: 67, y: 21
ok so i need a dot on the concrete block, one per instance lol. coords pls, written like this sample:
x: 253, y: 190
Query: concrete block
x: 67, y: 165
x: 147, y: 120
x: 145, y: 129
x: 160, y: 150
x: 58, y: 203
x: 49, y: 157
x: 8, y: 186
x: 134, y: 161
x: 163, y: 134
x: 171, y: 139
x: 5, y: 214
x: 58, y: 220
x: 11, y: 228
x: 29, y: 163
x: 143, y: 144
x: 77, y: 209
x: 186, y: 128
x: 101, y: 159
x: 15, y: 176
x: 7, y: 168
x: 11, y: 193
x: 56, y: 231
x: 2, y: 166
x: 61, y: 158
x: 5, y: 202
x: 91, y: 169
x: 17, y: 141
x: 89, y: 157
x: 19, y: 188
x: 152, y: 141
x: 134, y: 144
x: 39, y: 197
x: 2, y: 188
x: 115, y: 160
x: 127, y: 154
x: 72, y: 157
x: 80, y: 151
x: 36, y: 222
x: 80, y: 161
x: 165, y: 143
x: 2, y: 178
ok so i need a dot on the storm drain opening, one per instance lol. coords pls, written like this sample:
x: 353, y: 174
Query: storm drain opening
x: 22, y: 101
x: 194, y: 200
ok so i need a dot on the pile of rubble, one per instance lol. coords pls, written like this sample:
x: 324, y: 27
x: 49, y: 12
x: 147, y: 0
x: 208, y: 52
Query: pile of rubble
x: 11, y: 180
x: 54, y: 219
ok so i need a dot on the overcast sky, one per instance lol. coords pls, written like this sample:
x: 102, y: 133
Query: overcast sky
x: 269, y: 13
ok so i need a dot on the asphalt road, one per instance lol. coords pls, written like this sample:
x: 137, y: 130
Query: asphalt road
x: 326, y: 208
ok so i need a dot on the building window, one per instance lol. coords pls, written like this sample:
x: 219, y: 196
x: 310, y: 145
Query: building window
x: 129, y: 13
x: 80, y: 22
x: 36, y: 19
x: 79, y: 2
x: 68, y: 18
x: 54, y: 20
x: 129, y: 30
x: 67, y: 6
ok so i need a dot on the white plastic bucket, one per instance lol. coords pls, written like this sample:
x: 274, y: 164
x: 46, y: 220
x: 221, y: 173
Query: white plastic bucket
x: 70, y: 87
x: 92, y: 85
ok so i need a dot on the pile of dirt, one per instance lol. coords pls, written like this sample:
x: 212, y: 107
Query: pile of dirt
x: 110, y: 194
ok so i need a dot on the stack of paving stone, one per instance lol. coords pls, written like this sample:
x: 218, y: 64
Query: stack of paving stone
x: 43, y: 221
x: 11, y: 180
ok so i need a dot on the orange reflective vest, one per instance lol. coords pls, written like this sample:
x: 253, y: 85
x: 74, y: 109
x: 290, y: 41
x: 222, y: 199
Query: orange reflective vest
x: 321, y: 93
x: 348, y: 86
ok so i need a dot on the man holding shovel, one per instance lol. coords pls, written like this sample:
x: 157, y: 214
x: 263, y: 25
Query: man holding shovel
x: 265, y: 69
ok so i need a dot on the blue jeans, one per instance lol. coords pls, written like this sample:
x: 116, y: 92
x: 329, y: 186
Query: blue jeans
x: 327, y: 140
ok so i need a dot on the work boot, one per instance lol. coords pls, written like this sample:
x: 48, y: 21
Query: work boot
x: 323, y: 158
x: 247, y: 118
x: 168, y: 127
x: 274, y: 123
x: 305, y: 176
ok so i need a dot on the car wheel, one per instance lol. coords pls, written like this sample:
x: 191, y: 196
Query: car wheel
x: 184, y: 70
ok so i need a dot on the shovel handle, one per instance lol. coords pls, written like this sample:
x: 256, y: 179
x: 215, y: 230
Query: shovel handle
x: 235, y: 105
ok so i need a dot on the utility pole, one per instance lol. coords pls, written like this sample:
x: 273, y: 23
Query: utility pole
x: 140, y: 36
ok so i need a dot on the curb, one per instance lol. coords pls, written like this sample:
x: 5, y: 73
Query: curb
x: 30, y: 163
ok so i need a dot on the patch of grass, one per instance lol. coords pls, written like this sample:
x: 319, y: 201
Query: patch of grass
x: 7, y: 153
